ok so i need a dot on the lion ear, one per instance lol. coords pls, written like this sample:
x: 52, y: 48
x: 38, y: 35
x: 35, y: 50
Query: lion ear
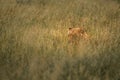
x: 70, y: 28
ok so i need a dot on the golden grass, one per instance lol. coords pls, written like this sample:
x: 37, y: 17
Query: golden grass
x: 34, y: 40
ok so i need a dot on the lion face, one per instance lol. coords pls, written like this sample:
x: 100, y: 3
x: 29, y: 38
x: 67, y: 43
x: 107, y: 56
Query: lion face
x: 75, y: 34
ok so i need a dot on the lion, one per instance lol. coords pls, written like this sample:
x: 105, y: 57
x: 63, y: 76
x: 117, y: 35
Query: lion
x: 75, y: 34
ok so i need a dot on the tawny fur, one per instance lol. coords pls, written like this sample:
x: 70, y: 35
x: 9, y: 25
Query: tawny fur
x: 75, y: 34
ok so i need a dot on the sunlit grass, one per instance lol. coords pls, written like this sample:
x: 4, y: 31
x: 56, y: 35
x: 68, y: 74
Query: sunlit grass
x: 34, y: 42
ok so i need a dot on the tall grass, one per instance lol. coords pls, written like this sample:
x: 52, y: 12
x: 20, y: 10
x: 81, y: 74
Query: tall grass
x: 34, y: 43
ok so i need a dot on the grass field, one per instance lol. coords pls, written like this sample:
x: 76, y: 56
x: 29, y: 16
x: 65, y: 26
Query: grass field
x: 34, y: 42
